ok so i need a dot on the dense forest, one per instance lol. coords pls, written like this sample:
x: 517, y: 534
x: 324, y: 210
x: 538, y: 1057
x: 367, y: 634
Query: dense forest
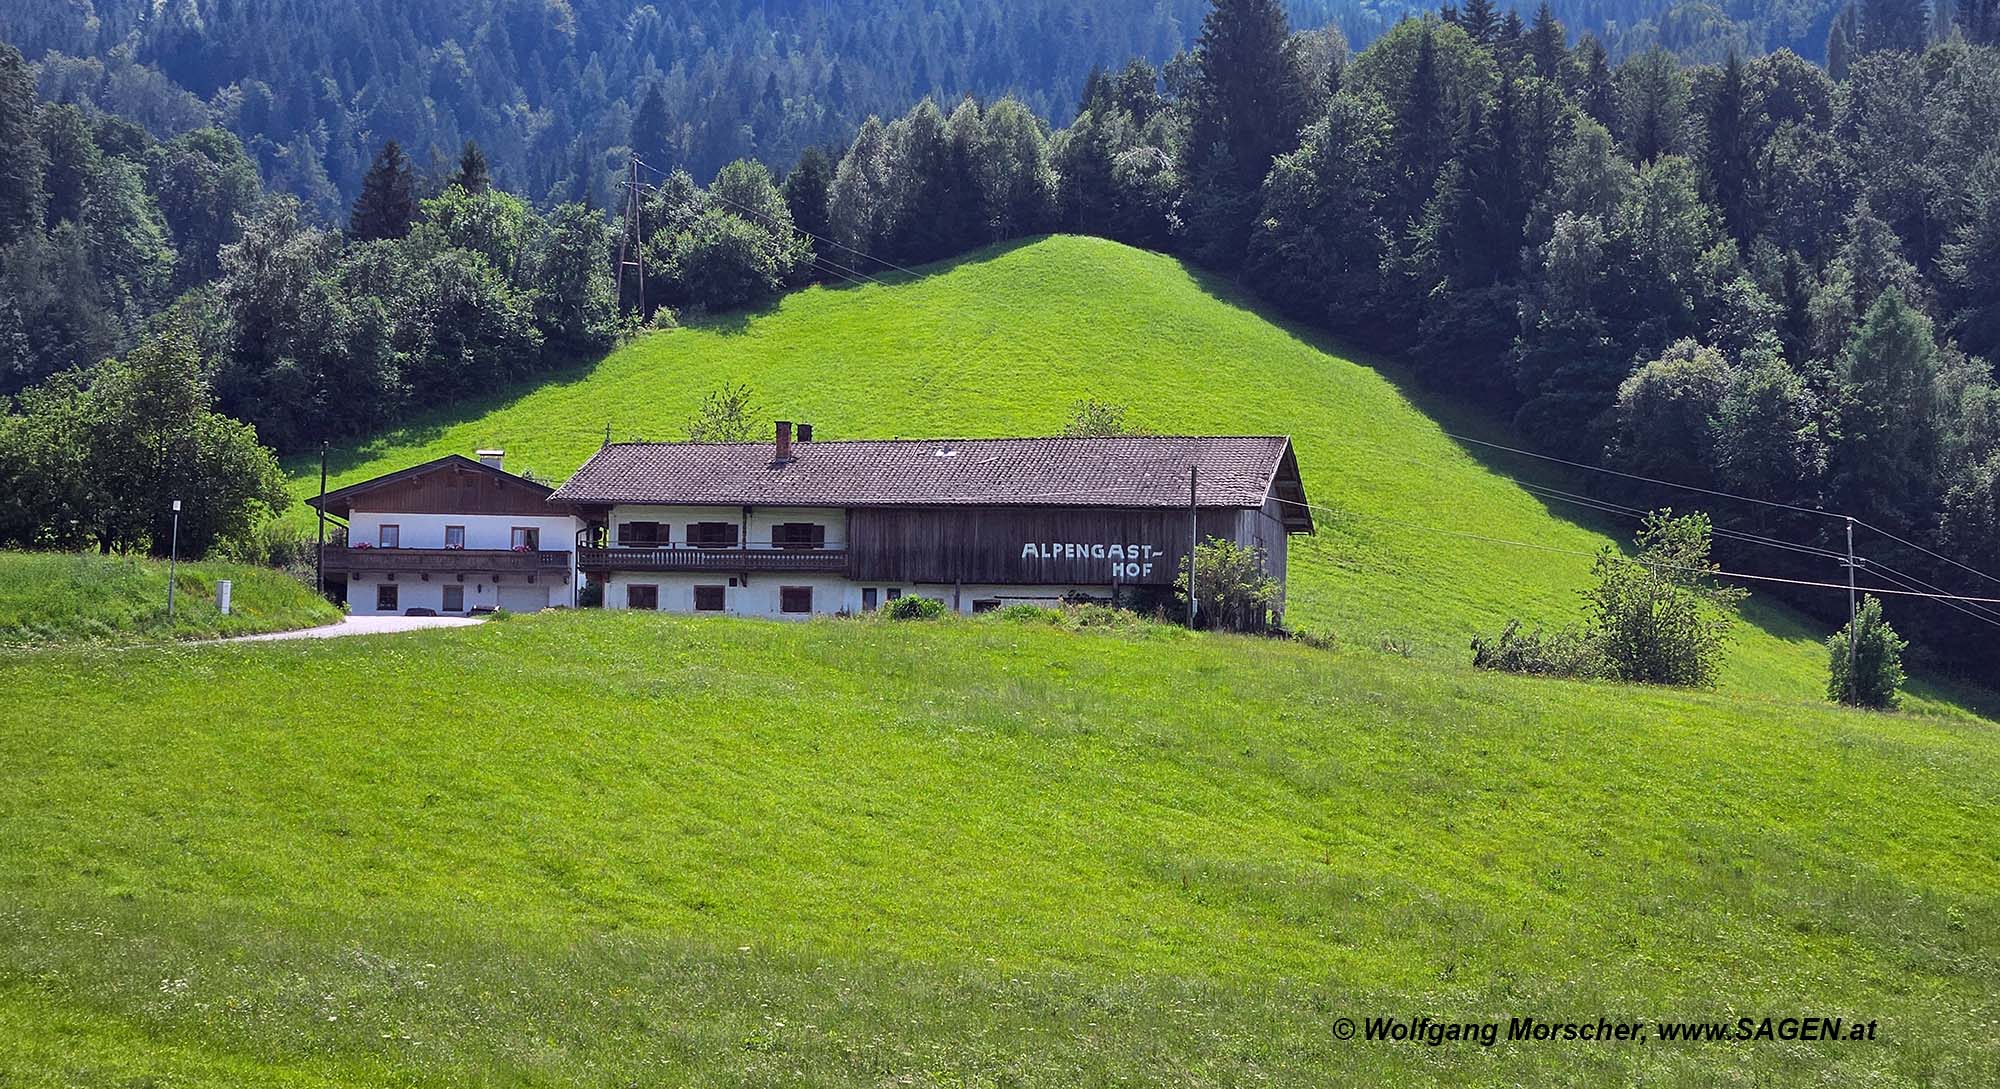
x: 1755, y: 276
x: 551, y: 89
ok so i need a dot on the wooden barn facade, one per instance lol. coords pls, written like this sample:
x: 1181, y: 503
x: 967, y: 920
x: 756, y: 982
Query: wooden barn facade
x: 795, y: 527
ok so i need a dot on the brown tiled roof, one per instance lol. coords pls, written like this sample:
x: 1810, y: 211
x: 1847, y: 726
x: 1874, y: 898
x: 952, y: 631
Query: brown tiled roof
x: 1121, y: 471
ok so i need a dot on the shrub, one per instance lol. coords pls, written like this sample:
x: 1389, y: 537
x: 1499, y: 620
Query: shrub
x: 1232, y: 592
x: 1660, y: 618
x: 1019, y: 613
x: 912, y: 607
x: 1565, y: 652
x: 590, y: 596
x: 1868, y: 671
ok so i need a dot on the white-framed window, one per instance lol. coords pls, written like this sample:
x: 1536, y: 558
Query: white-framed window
x: 527, y: 537
x: 454, y: 536
x: 389, y: 535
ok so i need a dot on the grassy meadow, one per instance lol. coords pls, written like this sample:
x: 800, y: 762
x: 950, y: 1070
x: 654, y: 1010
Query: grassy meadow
x: 628, y: 849
x: 1007, y: 341
x: 66, y: 597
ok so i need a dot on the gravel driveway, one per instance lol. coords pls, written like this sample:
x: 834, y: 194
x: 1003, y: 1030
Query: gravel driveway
x: 357, y: 625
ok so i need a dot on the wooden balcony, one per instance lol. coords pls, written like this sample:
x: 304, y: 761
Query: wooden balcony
x: 826, y: 561
x: 494, y: 561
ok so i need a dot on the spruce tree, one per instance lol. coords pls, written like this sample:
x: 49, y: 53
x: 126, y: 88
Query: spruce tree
x: 1895, y: 24
x: 1732, y: 175
x: 1865, y: 660
x: 1885, y: 467
x: 1548, y: 43
x: 1246, y: 110
x: 21, y: 155
x: 387, y: 204
x: 472, y: 174
x: 648, y: 138
x: 1597, y: 90
x: 1843, y: 41
x: 1481, y: 21
x: 807, y: 190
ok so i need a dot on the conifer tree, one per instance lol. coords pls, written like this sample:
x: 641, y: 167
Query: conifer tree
x: 21, y: 155
x: 1885, y: 468
x: 1597, y: 90
x: 1732, y: 175
x: 472, y: 174
x: 387, y: 204
x: 1481, y: 21
x: 649, y: 134
x: 1894, y: 24
x: 1246, y: 110
x: 1843, y: 41
x: 1548, y: 43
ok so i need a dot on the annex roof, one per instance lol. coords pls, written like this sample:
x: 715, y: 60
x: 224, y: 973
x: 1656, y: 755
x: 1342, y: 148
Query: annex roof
x: 1239, y: 471
x: 340, y: 501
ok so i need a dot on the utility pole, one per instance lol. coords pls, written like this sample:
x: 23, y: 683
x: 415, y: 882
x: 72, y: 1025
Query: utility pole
x: 173, y: 560
x: 1194, y: 539
x: 319, y: 557
x: 1852, y: 613
x: 632, y: 240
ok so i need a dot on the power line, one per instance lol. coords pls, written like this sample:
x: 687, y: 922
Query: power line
x: 1647, y: 479
x: 1715, y: 572
x: 1926, y: 551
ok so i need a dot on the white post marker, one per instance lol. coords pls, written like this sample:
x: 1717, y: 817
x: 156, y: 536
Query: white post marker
x: 173, y: 559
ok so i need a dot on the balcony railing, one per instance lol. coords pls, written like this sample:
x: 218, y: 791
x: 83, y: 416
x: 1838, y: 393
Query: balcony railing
x: 832, y: 561
x: 499, y: 561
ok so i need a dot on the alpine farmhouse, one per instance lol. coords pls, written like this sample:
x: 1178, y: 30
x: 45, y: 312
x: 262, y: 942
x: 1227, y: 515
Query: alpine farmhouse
x: 796, y: 528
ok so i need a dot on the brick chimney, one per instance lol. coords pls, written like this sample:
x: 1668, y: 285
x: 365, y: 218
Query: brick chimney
x: 492, y: 459
x: 784, y: 445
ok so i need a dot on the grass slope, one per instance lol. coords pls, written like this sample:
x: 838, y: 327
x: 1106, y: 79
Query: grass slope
x: 1005, y: 342
x: 616, y: 849
x: 53, y: 597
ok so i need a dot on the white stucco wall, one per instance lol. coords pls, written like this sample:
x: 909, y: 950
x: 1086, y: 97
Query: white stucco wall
x: 493, y: 531
x: 482, y: 532
x: 412, y: 592
x: 832, y: 594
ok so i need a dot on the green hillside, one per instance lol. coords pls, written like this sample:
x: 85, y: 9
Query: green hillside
x: 48, y: 597
x: 1005, y: 342
x: 633, y: 849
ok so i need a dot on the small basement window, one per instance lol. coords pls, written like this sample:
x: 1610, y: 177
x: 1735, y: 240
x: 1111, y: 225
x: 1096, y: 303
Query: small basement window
x: 985, y: 604
x: 640, y: 535
x: 712, y: 534
x: 798, y: 535
x: 386, y: 597
x: 868, y: 595
x: 795, y: 599
x: 642, y: 597
x: 708, y: 599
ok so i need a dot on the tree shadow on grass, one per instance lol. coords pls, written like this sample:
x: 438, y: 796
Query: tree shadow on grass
x: 1773, y: 616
